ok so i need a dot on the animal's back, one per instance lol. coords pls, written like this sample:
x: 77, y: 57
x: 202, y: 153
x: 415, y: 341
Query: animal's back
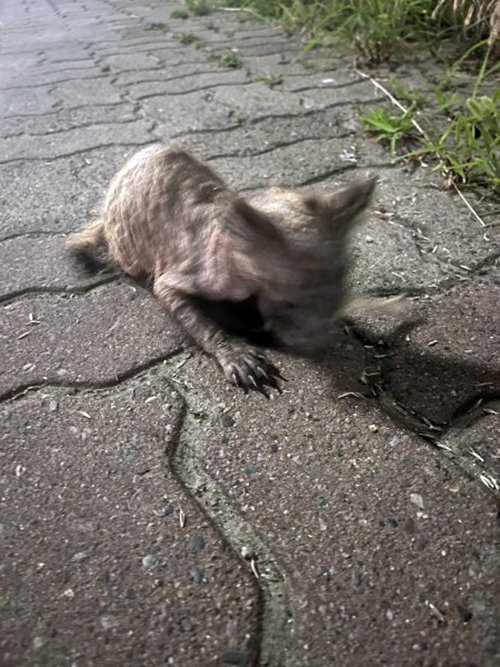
x: 150, y: 205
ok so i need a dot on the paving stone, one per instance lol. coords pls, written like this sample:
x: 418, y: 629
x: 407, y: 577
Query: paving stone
x: 182, y: 71
x: 52, y: 77
x: 97, y: 91
x: 450, y: 358
x: 96, y: 566
x: 76, y: 140
x: 64, y: 120
x: 378, y: 536
x: 38, y: 262
x: 182, y: 85
x: 58, y: 195
x: 213, y: 108
x: 131, y: 62
x: 309, y: 162
x: 90, y: 338
x: 27, y: 101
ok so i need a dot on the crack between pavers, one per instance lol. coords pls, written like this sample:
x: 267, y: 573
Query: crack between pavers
x: 273, y: 580
x: 118, y: 378
x: 279, y: 144
x: 54, y: 84
x: 341, y: 169
x: 175, y: 46
x: 437, y: 434
x: 273, y: 586
x: 41, y: 232
x: 225, y: 41
x: 346, y: 84
x: 319, y: 178
x: 61, y: 291
x: 199, y: 89
x: 280, y: 52
x: 177, y: 77
x: 249, y: 122
x: 58, y: 111
x: 70, y: 128
x: 80, y: 151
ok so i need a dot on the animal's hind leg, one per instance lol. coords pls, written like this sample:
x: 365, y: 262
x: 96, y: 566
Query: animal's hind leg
x: 243, y: 365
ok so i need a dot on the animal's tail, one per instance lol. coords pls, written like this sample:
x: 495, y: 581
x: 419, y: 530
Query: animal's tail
x: 89, y: 248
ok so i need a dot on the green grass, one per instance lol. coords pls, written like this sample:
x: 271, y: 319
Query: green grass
x: 380, y: 30
x: 460, y: 132
x: 156, y: 25
x: 188, y: 38
x: 388, y: 127
x: 273, y: 80
x: 199, y: 7
x: 179, y: 14
x: 227, y: 59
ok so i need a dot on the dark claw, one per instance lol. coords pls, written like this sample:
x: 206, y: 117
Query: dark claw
x: 249, y: 369
x: 262, y: 390
x: 253, y: 381
x: 262, y: 372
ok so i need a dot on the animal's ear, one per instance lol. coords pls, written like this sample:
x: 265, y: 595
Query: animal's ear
x: 249, y: 224
x: 343, y: 208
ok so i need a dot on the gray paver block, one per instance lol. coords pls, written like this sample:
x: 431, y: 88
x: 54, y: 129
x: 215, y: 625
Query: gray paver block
x: 27, y: 101
x: 76, y: 140
x: 450, y: 358
x: 376, y: 534
x: 186, y: 84
x: 96, y: 91
x: 212, y: 108
x: 68, y: 119
x: 30, y: 263
x: 97, y: 569
x: 89, y: 338
x: 59, y: 195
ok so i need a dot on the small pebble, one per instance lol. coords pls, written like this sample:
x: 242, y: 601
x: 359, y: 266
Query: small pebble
x: 196, y: 575
x: 38, y: 642
x: 81, y: 555
x: 356, y: 578
x: 227, y: 420
x: 246, y: 552
x: 197, y: 543
x: 53, y: 406
x: 187, y: 624
x: 251, y: 468
x: 168, y: 510
x: 148, y: 562
x: 417, y: 500
x: 108, y: 622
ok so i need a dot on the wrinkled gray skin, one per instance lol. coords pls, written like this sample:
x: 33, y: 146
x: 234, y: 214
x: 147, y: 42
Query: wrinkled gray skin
x: 170, y: 218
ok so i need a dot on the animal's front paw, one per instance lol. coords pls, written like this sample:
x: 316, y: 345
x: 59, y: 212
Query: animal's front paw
x: 250, y: 369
